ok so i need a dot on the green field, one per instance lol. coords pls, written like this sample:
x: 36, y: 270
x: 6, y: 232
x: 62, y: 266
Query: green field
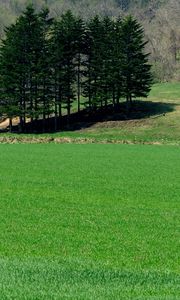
x: 89, y: 222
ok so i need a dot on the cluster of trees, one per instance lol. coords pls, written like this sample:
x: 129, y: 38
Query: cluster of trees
x: 160, y: 20
x: 48, y: 65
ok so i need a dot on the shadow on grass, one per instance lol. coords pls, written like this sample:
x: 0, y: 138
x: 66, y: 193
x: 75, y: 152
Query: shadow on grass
x: 85, y: 118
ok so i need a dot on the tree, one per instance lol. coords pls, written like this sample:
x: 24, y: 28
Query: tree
x: 27, y: 51
x: 93, y: 63
x: 106, y: 74
x: 44, y: 70
x: 79, y: 56
x: 56, y: 62
x: 136, y: 73
x: 24, y: 66
x: 64, y: 40
x: 8, y: 81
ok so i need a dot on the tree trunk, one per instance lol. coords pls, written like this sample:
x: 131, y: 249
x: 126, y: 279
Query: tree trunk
x: 113, y: 97
x: 55, y: 104
x: 44, y: 105
x: 130, y: 98
x: 127, y: 103
x: 55, y: 116
x: 79, y: 88
x: 20, y: 124
x: 68, y: 113
x: 10, y: 124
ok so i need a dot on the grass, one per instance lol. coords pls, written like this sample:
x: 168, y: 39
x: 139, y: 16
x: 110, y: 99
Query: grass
x: 89, y: 222
x: 163, y: 128
x: 169, y: 91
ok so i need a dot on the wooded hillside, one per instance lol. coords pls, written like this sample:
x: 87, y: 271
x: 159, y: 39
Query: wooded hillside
x: 160, y: 19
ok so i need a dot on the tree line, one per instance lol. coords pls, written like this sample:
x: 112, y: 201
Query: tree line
x: 49, y: 65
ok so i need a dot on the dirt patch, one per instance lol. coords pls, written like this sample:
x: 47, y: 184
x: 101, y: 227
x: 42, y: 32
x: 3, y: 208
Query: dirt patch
x: 25, y: 140
x: 68, y: 140
x: 5, y: 123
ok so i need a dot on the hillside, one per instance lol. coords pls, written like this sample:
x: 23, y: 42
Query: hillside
x: 155, y: 121
x: 160, y: 19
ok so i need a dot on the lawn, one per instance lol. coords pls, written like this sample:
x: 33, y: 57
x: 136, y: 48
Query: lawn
x: 89, y: 222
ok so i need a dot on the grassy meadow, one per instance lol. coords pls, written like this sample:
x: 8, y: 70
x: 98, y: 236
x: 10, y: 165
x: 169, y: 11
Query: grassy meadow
x: 162, y: 125
x: 89, y: 222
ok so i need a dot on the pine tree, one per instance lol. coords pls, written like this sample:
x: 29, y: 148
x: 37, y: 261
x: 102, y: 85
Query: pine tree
x: 68, y: 22
x: 43, y: 68
x: 117, y: 80
x: 24, y: 66
x: 27, y: 36
x: 135, y: 67
x: 63, y: 60
x: 94, y: 62
x: 79, y: 56
x: 8, y: 80
x: 106, y: 76
x: 56, y: 62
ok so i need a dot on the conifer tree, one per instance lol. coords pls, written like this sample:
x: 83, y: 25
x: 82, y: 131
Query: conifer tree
x: 94, y: 62
x: 44, y: 71
x: 63, y: 51
x: 79, y: 56
x: 27, y: 38
x: 106, y: 80
x: 87, y: 72
x: 134, y: 62
x: 56, y: 63
x: 117, y: 80
x: 26, y: 66
x: 9, y: 104
x: 68, y: 24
